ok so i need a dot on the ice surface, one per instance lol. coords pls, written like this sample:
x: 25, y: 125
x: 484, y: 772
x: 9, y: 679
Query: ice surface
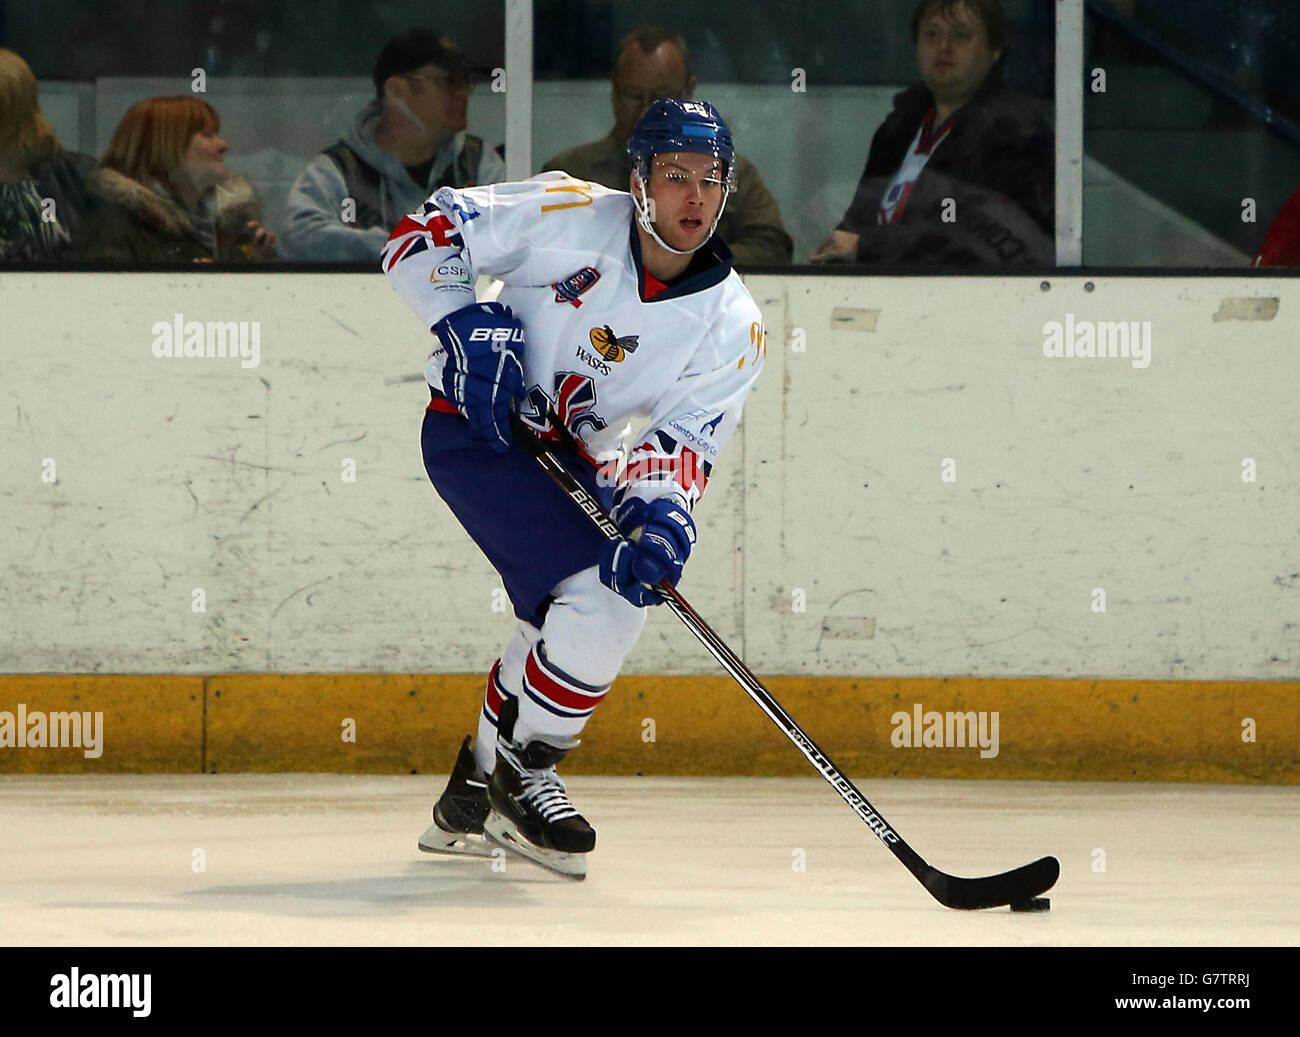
x: 331, y: 860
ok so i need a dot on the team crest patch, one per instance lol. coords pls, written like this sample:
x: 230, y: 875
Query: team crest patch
x: 574, y: 285
x: 610, y: 346
x: 574, y: 405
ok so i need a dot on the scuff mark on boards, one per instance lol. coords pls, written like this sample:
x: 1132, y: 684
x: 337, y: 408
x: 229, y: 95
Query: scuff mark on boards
x: 1247, y: 309
x: 849, y: 318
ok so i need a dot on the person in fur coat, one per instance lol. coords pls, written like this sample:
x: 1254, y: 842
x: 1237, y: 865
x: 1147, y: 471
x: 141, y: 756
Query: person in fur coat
x: 162, y: 192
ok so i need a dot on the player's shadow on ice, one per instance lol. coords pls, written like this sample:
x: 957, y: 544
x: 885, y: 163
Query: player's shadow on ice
x: 435, y: 883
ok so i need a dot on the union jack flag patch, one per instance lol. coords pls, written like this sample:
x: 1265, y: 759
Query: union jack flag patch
x: 574, y: 285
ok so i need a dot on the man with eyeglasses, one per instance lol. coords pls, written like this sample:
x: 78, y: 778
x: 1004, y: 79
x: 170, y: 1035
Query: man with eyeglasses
x: 407, y: 143
x: 653, y: 63
x: 619, y: 313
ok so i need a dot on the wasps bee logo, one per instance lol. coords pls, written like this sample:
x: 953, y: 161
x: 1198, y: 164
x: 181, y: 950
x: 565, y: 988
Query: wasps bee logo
x: 610, y: 346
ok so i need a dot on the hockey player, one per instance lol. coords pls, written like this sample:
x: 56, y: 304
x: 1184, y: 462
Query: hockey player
x: 618, y: 310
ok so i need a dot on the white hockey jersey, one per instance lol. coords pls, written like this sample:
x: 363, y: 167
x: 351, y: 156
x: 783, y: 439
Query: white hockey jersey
x: 608, y: 348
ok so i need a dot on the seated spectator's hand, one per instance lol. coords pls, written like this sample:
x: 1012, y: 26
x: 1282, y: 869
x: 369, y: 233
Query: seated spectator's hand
x: 262, y: 242
x: 840, y: 247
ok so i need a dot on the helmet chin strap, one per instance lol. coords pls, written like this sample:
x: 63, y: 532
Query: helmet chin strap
x: 643, y: 218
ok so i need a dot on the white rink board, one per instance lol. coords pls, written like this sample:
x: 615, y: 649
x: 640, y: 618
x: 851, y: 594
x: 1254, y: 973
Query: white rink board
x: 1071, y: 474
x: 182, y: 474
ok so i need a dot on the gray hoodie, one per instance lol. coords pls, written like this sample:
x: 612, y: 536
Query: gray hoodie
x: 315, y: 230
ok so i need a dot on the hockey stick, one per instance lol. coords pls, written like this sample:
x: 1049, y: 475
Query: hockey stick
x: 1015, y: 888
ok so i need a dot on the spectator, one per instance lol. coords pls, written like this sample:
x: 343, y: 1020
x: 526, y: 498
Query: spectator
x: 1281, y: 245
x: 42, y: 187
x: 162, y: 192
x: 961, y: 172
x: 404, y: 145
x: 653, y: 63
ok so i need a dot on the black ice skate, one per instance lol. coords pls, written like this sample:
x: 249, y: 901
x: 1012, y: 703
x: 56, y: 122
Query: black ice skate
x: 459, y: 814
x: 531, y: 814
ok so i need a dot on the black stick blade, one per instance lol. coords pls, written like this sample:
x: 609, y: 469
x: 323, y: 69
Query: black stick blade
x: 1011, y: 887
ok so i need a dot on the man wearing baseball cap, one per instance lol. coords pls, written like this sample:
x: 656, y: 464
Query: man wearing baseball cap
x: 409, y: 141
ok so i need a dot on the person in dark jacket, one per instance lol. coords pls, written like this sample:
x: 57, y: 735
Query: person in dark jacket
x: 42, y: 187
x: 961, y: 172
x: 163, y: 194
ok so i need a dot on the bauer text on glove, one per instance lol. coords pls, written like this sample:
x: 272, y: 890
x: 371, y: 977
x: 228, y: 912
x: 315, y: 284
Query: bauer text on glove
x: 484, y: 372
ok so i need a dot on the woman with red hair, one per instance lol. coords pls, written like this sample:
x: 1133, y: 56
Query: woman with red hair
x: 42, y: 189
x: 163, y: 193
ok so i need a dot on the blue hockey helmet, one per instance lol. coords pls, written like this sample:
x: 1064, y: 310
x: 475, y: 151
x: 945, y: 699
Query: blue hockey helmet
x: 672, y: 124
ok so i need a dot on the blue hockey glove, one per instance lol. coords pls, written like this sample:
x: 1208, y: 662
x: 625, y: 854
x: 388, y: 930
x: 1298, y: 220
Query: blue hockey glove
x: 658, y: 535
x: 484, y: 373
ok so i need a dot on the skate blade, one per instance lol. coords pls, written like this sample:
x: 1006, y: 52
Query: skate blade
x: 453, y: 844
x: 501, y: 832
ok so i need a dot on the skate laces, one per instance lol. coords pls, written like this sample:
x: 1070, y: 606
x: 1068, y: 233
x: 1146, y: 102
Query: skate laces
x: 545, y: 791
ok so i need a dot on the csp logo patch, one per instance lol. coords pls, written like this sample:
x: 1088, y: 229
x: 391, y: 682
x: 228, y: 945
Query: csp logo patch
x: 610, y: 346
x: 451, y: 272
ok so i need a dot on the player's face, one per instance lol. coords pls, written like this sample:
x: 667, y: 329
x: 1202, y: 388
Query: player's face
x: 639, y: 79
x: 686, y: 190
x: 439, y: 98
x: 953, y: 52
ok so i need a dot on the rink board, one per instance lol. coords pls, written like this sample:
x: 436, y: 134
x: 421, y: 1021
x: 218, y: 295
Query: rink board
x: 383, y: 724
x: 230, y: 560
